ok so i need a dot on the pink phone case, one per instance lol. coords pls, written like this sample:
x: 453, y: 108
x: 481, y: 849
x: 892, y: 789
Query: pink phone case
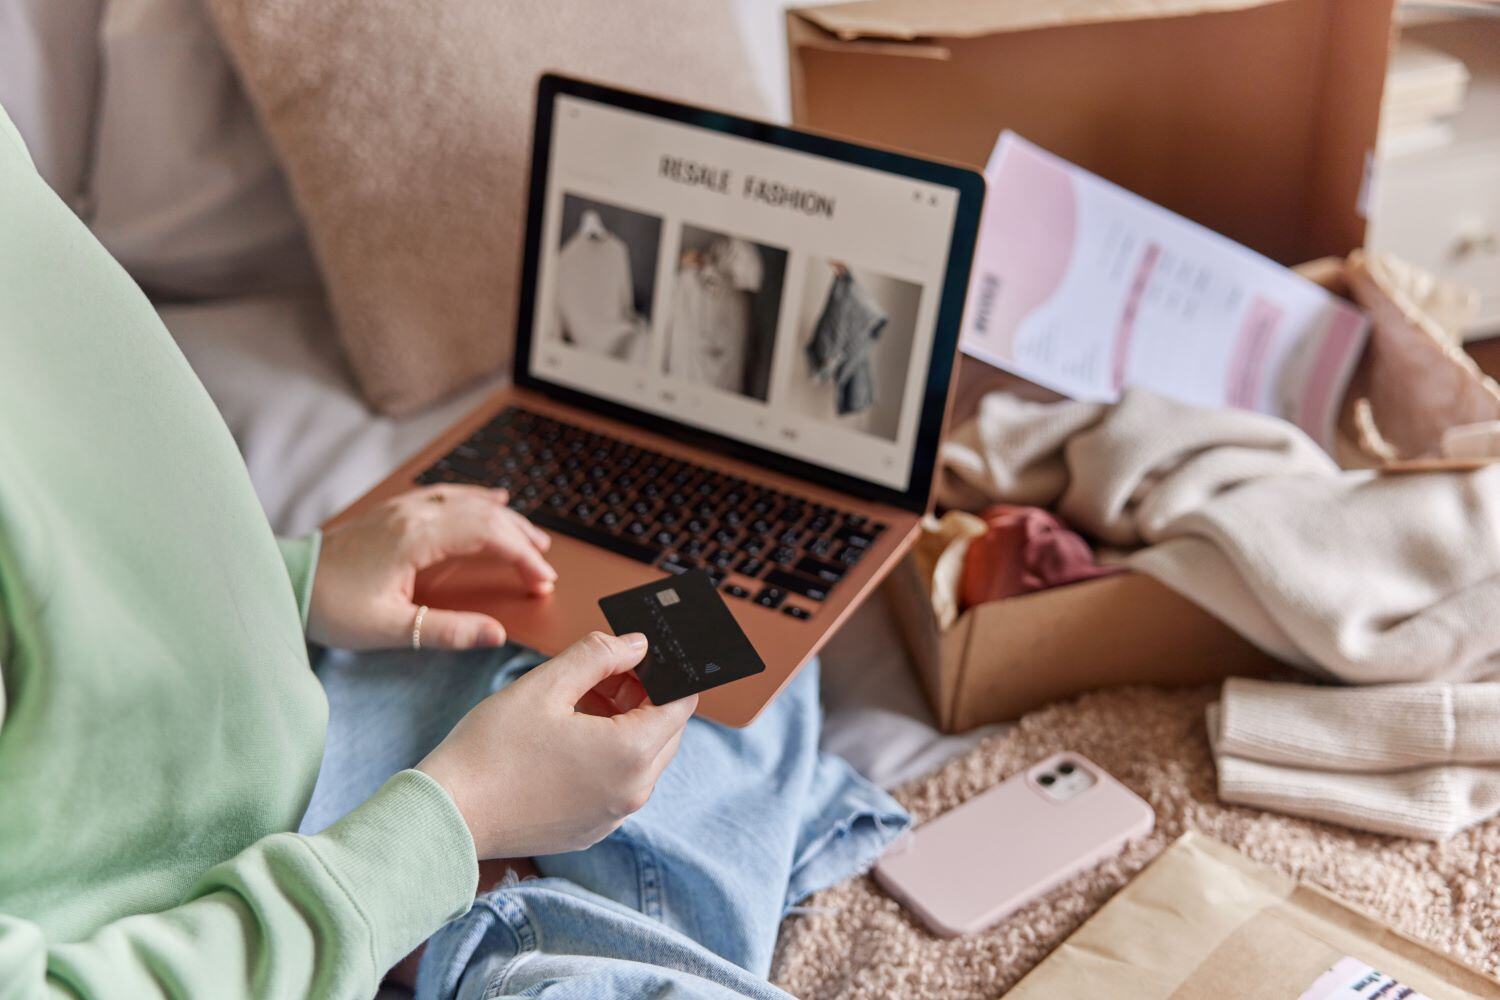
x: 977, y: 864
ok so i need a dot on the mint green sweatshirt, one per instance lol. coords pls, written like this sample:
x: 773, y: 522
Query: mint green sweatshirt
x: 160, y: 728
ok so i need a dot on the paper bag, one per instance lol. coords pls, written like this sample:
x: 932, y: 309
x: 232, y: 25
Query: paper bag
x: 1203, y: 922
x: 1417, y: 402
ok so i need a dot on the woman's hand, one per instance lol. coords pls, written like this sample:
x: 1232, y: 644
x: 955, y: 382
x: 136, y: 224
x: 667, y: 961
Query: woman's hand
x: 367, y: 570
x: 533, y: 776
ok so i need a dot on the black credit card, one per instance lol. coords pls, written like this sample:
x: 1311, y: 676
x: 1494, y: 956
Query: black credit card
x: 694, y: 642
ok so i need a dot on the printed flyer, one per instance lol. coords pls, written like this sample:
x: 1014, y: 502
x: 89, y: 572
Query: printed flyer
x: 1087, y: 289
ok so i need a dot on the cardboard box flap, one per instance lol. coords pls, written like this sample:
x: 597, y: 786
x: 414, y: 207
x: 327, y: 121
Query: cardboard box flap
x: 909, y: 20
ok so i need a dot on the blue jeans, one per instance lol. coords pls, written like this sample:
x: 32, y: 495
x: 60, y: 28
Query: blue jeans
x: 685, y: 899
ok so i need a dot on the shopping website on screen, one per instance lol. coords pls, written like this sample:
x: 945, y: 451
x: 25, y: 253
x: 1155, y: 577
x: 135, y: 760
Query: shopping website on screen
x: 779, y: 298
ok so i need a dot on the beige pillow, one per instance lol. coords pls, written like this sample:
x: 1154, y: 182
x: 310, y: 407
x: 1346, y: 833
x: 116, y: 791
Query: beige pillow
x: 405, y: 128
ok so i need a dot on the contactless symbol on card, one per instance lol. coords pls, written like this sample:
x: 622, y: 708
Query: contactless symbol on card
x: 694, y: 641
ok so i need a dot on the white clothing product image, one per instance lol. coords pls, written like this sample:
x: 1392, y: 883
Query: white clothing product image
x: 595, y: 306
x: 709, y: 333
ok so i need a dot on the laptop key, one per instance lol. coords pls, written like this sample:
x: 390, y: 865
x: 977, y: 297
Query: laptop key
x: 751, y: 567
x: 793, y: 611
x: 735, y: 590
x: 821, y: 569
x: 796, y: 583
x: 675, y: 565
x: 855, y: 537
x: 470, y: 470
x: 618, y: 544
x: 770, y: 597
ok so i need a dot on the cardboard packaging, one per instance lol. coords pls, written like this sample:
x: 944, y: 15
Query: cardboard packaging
x: 1002, y: 659
x: 1203, y: 922
x: 1256, y: 118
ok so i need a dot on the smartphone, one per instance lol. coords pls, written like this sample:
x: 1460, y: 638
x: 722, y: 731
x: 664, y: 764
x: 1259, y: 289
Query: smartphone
x: 975, y: 865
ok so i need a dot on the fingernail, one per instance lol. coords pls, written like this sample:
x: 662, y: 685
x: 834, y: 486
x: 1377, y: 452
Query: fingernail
x: 635, y: 640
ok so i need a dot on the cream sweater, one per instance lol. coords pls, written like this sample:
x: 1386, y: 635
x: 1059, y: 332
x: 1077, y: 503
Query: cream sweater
x: 1414, y: 760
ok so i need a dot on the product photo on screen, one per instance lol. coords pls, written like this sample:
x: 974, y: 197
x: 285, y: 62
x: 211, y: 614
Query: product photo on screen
x: 606, y: 271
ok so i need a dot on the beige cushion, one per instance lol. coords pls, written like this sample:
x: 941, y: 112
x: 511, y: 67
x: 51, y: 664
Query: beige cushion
x: 185, y: 191
x: 405, y: 129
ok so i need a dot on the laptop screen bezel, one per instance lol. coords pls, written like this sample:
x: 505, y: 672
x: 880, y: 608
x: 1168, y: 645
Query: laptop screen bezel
x: 968, y: 184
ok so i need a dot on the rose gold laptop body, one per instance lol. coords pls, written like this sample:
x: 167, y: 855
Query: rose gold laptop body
x: 586, y: 572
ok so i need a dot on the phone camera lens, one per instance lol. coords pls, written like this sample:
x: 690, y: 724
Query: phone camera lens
x: 1046, y: 780
x: 1065, y: 769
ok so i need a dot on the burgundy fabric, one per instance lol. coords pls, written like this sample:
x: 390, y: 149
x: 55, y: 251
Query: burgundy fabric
x: 1026, y: 549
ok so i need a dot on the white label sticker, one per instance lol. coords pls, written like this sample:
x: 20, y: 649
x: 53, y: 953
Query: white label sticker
x: 1351, y: 979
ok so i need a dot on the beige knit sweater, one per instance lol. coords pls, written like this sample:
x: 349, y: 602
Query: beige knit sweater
x: 1414, y: 760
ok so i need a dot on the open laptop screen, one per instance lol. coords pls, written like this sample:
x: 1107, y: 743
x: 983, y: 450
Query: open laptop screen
x: 735, y: 278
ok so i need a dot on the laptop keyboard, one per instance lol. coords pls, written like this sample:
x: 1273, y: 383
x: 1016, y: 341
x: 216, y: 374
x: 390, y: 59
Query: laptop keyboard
x: 759, y: 544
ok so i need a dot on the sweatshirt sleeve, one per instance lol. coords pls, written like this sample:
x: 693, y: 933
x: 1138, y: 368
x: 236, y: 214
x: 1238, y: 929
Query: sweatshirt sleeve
x: 289, y: 917
x: 301, y: 558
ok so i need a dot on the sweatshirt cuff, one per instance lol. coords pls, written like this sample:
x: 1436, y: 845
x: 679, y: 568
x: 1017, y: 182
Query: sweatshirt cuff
x: 301, y: 558
x: 405, y: 860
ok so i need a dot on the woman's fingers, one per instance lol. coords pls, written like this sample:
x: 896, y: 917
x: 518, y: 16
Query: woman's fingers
x: 664, y: 757
x: 594, y: 703
x: 613, y: 695
x: 539, y: 538
x: 467, y: 520
x: 624, y: 691
x: 581, y: 667
x: 655, y: 726
x: 444, y: 629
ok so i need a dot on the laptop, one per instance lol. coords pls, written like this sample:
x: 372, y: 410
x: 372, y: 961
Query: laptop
x: 734, y: 351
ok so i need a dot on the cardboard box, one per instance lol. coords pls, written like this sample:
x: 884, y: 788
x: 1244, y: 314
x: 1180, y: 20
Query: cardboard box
x: 1256, y: 118
x: 1002, y: 659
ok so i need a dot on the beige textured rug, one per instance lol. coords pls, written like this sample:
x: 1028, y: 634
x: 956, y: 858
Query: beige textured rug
x: 858, y: 943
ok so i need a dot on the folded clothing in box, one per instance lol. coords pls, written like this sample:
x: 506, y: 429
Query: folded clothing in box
x: 1243, y: 524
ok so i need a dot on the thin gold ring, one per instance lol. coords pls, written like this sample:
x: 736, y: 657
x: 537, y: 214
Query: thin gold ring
x: 416, y: 627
